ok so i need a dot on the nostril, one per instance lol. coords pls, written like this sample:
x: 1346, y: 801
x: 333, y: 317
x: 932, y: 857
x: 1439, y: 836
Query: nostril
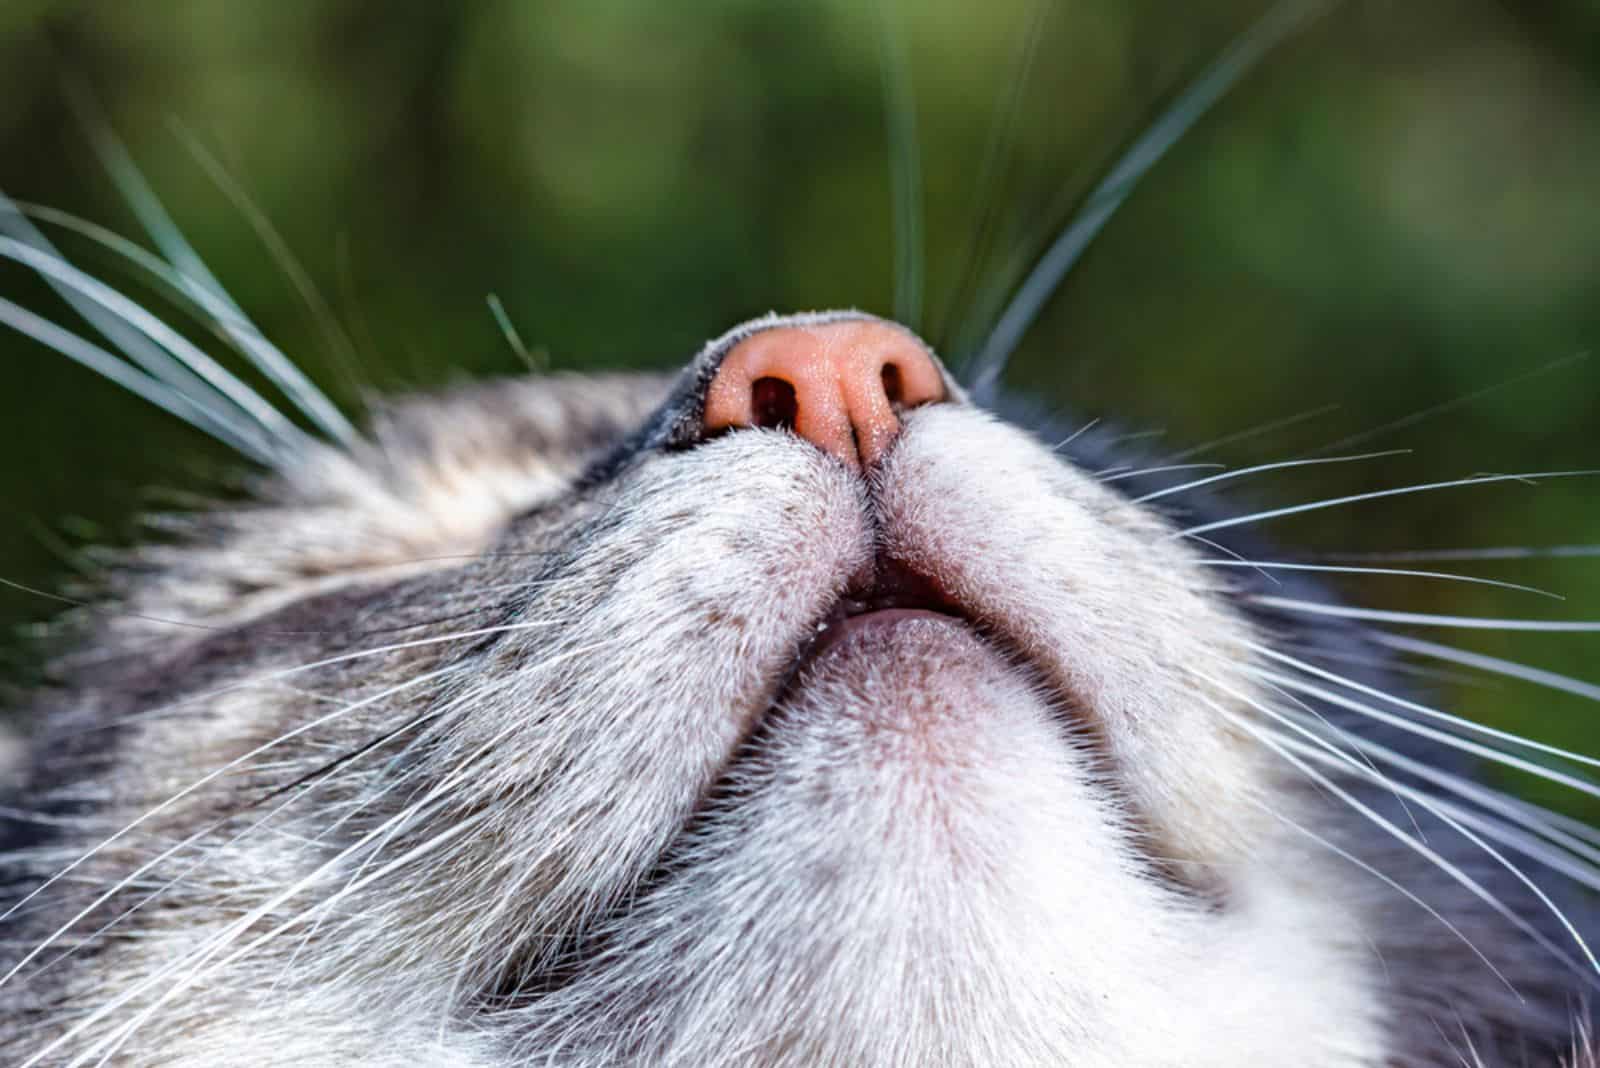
x: 774, y: 404
x: 843, y: 386
x: 892, y: 388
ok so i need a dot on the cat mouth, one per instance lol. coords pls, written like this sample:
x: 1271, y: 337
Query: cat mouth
x: 890, y: 594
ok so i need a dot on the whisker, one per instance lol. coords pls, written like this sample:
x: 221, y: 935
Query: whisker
x: 255, y: 681
x: 384, y: 832
x: 1340, y: 736
x: 1272, y: 565
x: 149, y: 814
x: 177, y: 360
x: 1453, y: 741
x: 1389, y: 881
x: 1441, y: 810
x: 1451, y: 405
x: 1540, y: 821
x: 1237, y: 60
x: 1254, y: 431
x: 197, y: 958
x: 514, y: 339
x: 905, y: 166
x: 1428, y: 619
x: 198, y: 413
x: 1510, y: 668
x: 195, y: 279
x: 1280, y: 746
x: 1008, y: 106
x: 1280, y: 465
x: 338, y: 342
x: 1420, y: 709
x: 1219, y: 547
x: 1476, y: 480
x: 1075, y: 435
x: 198, y: 281
x: 1507, y: 552
x: 173, y: 281
x: 1138, y: 435
x: 1147, y: 471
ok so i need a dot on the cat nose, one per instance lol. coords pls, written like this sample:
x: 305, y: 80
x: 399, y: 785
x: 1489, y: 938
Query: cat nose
x: 840, y: 385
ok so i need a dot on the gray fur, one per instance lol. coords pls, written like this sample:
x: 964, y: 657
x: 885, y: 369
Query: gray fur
x: 484, y: 743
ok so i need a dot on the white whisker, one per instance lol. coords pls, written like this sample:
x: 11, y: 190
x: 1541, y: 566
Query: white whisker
x: 196, y: 411
x: 1503, y: 552
x: 196, y: 280
x: 1510, y: 668
x: 1272, y: 565
x: 1410, y: 706
x: 209, y: 777
x: 1389, y: 881
x: 178, y: 361
x: 1281, y: 465
x: 1428, y: 619
x: 255, y: 681
x: 1333, y: 502
x: 1143, y: 472
x: 1442, y: 810
x: 1254, y: 431
x: 1280, y: 746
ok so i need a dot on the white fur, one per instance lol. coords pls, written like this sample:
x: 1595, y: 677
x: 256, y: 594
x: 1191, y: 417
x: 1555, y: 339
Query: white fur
x: 928, y: 858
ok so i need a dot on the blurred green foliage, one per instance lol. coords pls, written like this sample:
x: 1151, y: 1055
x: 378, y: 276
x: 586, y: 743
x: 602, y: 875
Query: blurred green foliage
x: 1398, y: 209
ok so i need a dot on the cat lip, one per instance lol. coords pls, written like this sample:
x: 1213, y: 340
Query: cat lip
x: 886, y: 593
x: 890, y: 592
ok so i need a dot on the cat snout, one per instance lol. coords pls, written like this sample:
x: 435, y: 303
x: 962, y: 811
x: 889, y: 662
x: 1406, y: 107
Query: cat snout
x: 841, y: 385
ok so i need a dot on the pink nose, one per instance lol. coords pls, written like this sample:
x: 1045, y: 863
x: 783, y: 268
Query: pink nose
x: 839, y: 385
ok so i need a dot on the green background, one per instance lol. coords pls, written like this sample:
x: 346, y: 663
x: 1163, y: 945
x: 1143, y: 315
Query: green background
x: 1398, y: 209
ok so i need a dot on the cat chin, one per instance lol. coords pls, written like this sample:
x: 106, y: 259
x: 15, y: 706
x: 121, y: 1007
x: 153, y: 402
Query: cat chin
x: 917, y: 861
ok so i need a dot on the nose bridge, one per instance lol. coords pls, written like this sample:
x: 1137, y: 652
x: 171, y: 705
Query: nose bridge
x: 840, y: 385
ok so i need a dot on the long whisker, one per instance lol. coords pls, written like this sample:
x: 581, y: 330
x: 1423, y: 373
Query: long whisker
x: 900, y: 114
x: 1227, y: 476
x: 1443, y: 737
x: 158, y: 269
x: 1541, y: 822
x: 1389, y: 881
x: 1450, y: 405
x: 1272, y: 565
x: 196, y: 279
x: 1321, y: 737
x: 1145, y: 472
x: 1505, y: 552
x: 509, y: 332
x: 1332, y: 502
x: 231, y: 934
x: 1454, y: 871
x: 984, y: 203
x: 256, y: 681
x: 438, y: 793
x: 1510, y: 668
x: 1413, y: 707
x: 177, y: 361
x: 243, y: 438
x: 1235, y: 62
x: 1324, y: 750
x: 198, y: 784
x: 339, y: 344
x: 1075, y: 435
x: 1439, y: 809
x: 1429, y: 619
x: 1252, y: 432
